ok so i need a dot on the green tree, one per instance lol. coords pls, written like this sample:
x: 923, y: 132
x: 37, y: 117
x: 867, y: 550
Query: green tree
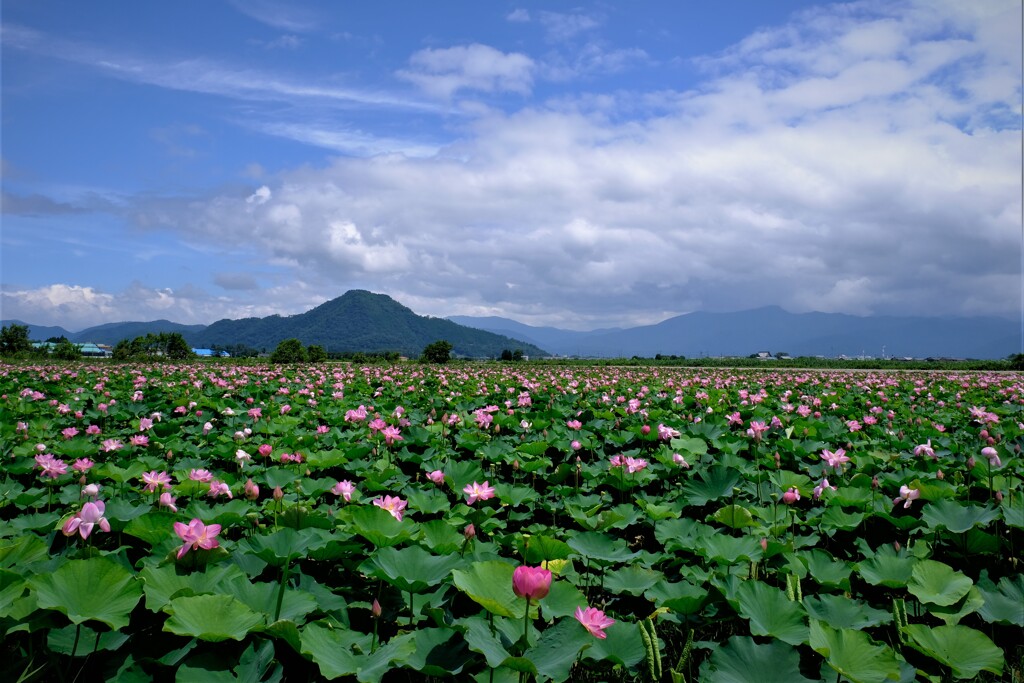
x: 14, y: 340
x: 65, y: 350
x: 506, y: 355
x: 175, y: 347
x: 289, y: 351
x: 315, y: 353
x: 517, y: 355
x: 1016, y: 361
x: 437, y: 352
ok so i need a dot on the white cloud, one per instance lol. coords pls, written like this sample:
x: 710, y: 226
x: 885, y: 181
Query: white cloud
x: 518, y: 15
x: 443, y: 71
x: 290, y: 16
x: 562, y: 26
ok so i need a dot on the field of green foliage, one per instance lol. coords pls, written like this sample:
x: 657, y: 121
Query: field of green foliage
x: 509, y: 522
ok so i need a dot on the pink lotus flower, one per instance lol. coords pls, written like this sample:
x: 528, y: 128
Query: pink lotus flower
x: 437, y: 476
x: 91, y: 490
x: 255, y: 413
x: 756, y: 429
x: 992, y: 455
x: 357, y: 415
x: 925, y: 450
x: 376, y: 425
x: 111, y: 445
x: 52, y: 467
x: 83, y: 465
x: 89, y: 517
x: 265, y: 449
x: 196, y: 535
x: 139, y: 440
x: 635, y: 464
x: 594, y: 620
x: 69, y: 433
x: 251, y: 490
x: 391, y: 434
x: 853, y: 425
x: 666, y: 433
x: 200, y: 475
x: 219, y: 488
x: 167, y: 501
x: 475, y: 492
x: 575, y: 445
x: 820, y: 488
x: 345, y: 489
x: 834, y: 459
x: 155, y: 479
x: 145, y: 423
x: 735, y: 419
x: 907, y: 496
x: 393, y: 504
x: 680, y: 460
x: 574, y: 424
x: 791, y: 496
x: 532, y: 583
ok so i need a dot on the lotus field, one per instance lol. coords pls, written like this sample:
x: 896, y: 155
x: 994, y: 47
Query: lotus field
x: 509, y: 522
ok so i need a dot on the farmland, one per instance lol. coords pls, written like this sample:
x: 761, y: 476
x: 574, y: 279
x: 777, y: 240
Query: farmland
x: 257, y: 523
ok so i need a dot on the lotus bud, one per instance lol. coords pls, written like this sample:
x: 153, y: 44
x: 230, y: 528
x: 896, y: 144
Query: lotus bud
x: 939, y: 475
x: 896, y: 545
x: 375, y: 609
x: 970, y: 463
x: 764, y: 544
x: 82, y: 480
x: 984, y: 434
x: 645, y: 430
x: 874, y: 482
x: 991, y: 441
x: 278, y: 493
x: 252, y: 491
x: 469, y: 532
x: 515, y: 465
x: 999, y: 496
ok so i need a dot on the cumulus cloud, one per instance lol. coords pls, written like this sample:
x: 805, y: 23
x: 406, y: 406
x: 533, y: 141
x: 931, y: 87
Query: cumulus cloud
x: 444, y: 71
x: 859, y: 159
x: 75, y: 307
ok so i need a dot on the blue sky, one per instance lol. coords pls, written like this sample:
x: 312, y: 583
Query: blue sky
x: 582, y: 166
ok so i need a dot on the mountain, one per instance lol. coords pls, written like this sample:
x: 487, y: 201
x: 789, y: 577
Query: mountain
x: 775, y: 330
x: 361, y: 321
x: 39, y: 332
x: 545, y: 337
x: 111, y: 333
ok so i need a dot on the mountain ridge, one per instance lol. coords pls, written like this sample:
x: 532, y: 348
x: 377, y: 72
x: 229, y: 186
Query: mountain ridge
x: 360, y: 320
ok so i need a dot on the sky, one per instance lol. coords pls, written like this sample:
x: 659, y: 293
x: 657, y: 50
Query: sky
x: 576, y: 165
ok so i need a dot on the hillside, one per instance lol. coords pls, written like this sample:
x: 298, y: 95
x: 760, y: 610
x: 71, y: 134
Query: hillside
x: 775, y: 330
x: 360, y: 321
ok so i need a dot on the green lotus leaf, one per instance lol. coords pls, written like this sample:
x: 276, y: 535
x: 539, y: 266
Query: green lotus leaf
x: 557, y: 649
x: 429, y: 501
x: 955, y: 516
x: 153, y: 528
x: 887, y: 569
x: 622, y: 645
x: 440, y: 537
x: 826, y: 570
x: 378, y: 526
x: 562, y: 600
x: 937, y: 583
x: 261, y: 597
x: 712, y: 484
x: 952, y: 614
x: 853, y: 654
x: 841, y: 612
x: 734, y: 517
x: 96, y: 589
x: 537, y: 549
x: 771, y: 613
x: 597, y: 546
x: 681, y: 597
x: 723, y: 549
x: 479, y: 638
x: 489, y: 584
x: 1002, y: 602
x: 212, y: 618
x: 412, y: 569
x: 12, y: 586
x: 964, y: 650
x: 62, y: 640
x: 742, y: 660
x: 163, y: 583
x: 281, y: 547
x: 632, y: 580
x: 438, y: 652
x: 332, y: 649
x: 836, y: 519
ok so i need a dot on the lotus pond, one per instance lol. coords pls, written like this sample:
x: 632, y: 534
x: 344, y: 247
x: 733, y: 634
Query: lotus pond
x: 508, y: 522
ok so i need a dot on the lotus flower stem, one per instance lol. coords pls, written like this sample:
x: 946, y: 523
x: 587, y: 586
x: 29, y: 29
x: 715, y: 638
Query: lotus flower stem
x: 280, y: 591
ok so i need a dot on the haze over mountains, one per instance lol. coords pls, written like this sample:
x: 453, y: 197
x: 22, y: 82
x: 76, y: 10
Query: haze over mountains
x: 363, y: 321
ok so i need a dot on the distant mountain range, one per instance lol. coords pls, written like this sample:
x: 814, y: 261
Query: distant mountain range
x: 355, y: 321
x: 368, y: 322
x: 774, y: 330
